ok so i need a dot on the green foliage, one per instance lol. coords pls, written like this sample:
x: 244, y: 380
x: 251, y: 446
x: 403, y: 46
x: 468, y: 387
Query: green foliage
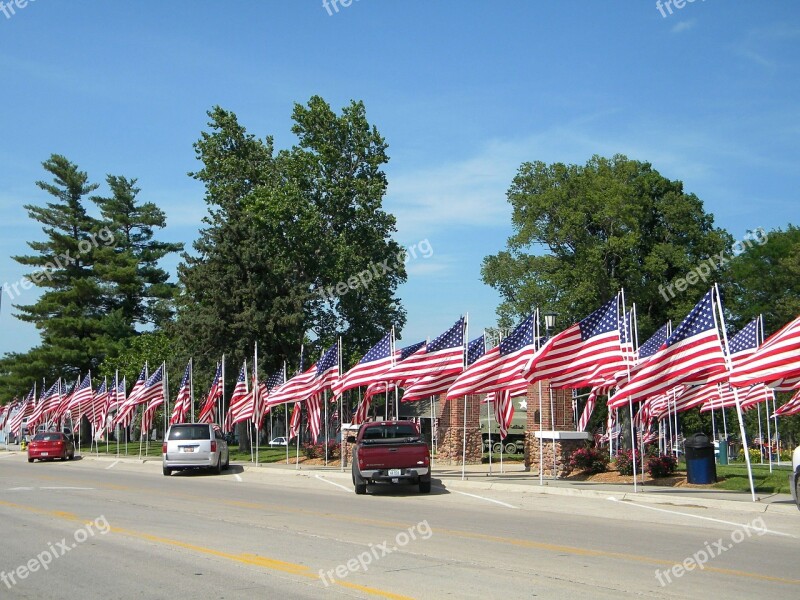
x: 764, y: 279
x: 589, y: 460
x: 583, y: 232
x: 282, y: 231
x: 624, y: 462
x: 661, y: 466
x: 755, y: 455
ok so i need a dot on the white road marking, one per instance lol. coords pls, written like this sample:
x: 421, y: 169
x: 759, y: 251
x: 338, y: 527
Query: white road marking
x: 112, y: 465
x: 20, y: 489
x: 346, y: 489
x: 476, y: 496
x: 683, y: 514
x: 237, y: 477
x: 65, y: 488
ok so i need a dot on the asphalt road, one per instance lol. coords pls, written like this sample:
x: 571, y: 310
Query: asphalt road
x: 106, y: 529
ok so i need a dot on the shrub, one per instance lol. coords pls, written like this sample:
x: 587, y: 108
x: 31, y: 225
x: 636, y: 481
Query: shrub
x: 755, y: 455
x: 318, y: 450
x: 624, y: 462
x: 590, y: 460
x: 661, y: 466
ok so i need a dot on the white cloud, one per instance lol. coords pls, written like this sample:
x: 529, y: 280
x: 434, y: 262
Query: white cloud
x: 682, y: 26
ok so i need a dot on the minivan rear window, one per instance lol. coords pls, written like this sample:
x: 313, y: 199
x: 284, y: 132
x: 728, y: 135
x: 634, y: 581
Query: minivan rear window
x: 189, y: 432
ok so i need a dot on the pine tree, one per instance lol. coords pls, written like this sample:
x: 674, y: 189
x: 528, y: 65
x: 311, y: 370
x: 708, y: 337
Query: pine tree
x: 137, y: 286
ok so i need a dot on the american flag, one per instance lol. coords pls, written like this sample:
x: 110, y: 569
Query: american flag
x: 500, y: 366
x: 655, y: 342
x: 296, y: 389
x: 693, y: 354
x: 503, y: 410
x: 362, y: 410
x: 25, y: 409
x: 587, y: 353
x: 209, y: 411
x: 183, y: 400
x: 444, y: 355
x: 294, y: 422
x: 327, y: 370
x: 82, y: 401
x: 777, y: 358
x: 434, y: 385
x: 313, y: 404
x: 47, y: 405
x: 375, y: 363
x: 792, y: 407
x: 153, y: 390
x: 265, y: 389
x: 241, y: 404
x: 588, y: 409
x: 125, y: 411
x: 745, y: 342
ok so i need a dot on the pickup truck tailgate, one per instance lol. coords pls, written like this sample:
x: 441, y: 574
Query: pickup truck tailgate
x: 391, y: 456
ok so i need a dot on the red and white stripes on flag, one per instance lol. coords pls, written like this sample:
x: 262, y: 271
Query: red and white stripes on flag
x: 693, y: 354
x: 442, y: 356
x: 208, y: 413
x: 294, y: 422
x: 499, y: 367
x: 124, y: 414
x: 588, y: 409
x: 241, y: 404
x: 313, y: 404
x: 503, y: 410
x: 371, y: 368
x: 777, y: 358
x: 295, y: 389
x: 586, y: 354
x: 183, y: 400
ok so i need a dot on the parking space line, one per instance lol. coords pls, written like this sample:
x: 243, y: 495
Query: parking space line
x: 476, y: 496
x: 237, y: 477
x: 346, y: 489
x: 112, y: 465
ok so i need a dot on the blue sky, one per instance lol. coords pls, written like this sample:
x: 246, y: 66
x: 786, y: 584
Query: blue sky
x: 463, y: 92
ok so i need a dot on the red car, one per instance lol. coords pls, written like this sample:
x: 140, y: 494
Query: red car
x: 49, y: 445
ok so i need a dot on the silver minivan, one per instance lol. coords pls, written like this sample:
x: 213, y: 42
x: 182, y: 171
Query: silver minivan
x: 194, y: 446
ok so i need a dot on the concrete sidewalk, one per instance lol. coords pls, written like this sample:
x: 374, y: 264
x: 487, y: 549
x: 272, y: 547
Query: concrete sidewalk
x: 516, y: 479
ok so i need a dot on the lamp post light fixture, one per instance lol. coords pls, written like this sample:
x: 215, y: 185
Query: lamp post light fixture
x: 549, y: 322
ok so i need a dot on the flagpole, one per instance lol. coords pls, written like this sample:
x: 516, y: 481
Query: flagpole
x: 221, y: 399
x: 341, y: 410
x: 489, y: 423
x: 630, y: 400
x: 191, y: 389
x: 166, y: 399
x: 299, y: 431
x: 769, y: 430
x: 255, y: 397
x: 735, y: 392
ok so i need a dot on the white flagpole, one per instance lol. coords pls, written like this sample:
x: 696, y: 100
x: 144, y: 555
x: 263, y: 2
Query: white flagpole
x: 221, y: 401
x: 256, y: 416
x: 464, y: 433
x: 299, y: 433
x: 760, y: 437
x: 621, y: 298
x: 166, y: 399
x: 726, y: 352
x: 342, y: 441
x: 191, y: 389
x: 769, y: 430
x: 489, y: 422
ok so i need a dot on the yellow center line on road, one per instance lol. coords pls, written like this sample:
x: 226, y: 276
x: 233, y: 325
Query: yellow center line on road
x: 273, y: 564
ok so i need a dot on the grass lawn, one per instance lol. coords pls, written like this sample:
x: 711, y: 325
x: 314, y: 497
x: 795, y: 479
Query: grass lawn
x: 735, y: 476
x: 265, y: 455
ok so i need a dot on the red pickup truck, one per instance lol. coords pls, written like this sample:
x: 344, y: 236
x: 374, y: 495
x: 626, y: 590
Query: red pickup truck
x: 390, y: 452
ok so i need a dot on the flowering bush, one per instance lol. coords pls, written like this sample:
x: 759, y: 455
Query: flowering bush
x: 318, y: 450
x: 624, y: 462
x: 590, y: 460
x: 661, y: 466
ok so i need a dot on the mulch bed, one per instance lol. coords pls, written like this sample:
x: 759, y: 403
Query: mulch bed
x: 676, y: 480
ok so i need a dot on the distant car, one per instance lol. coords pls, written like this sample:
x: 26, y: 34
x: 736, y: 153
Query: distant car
x: 278, y: 441
x: 50, y: 445
x: 794, y: 476
x: 194, y: 446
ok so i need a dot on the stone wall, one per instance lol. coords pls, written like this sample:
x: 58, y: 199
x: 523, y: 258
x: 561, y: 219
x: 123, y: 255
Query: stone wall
x: 560, y: 418
x: 563, y: 450
x: 451, y: 429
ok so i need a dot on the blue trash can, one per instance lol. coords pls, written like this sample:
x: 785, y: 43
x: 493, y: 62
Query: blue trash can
x: 699, y: 453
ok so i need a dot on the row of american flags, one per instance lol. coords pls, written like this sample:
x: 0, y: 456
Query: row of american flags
x: 692, y: 365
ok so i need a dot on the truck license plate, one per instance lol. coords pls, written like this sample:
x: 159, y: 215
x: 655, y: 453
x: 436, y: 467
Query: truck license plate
x: 394, y: 472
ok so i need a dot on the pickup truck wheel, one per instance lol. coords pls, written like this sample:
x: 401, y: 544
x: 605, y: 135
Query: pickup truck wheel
x: 361, y: 488
x: 359, y: 483
x: 425, y: 486
x: 797, y: 489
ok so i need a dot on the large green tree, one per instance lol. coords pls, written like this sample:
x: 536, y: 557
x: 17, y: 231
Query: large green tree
x: 582, y: 232
x: 135, y: 284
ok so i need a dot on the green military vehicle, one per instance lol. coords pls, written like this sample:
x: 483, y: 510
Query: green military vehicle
x: 515, y: 440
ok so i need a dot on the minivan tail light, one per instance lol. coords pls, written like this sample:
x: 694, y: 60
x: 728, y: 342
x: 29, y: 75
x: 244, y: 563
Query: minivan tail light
x: 213, y: 446
x: 164, y: 448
